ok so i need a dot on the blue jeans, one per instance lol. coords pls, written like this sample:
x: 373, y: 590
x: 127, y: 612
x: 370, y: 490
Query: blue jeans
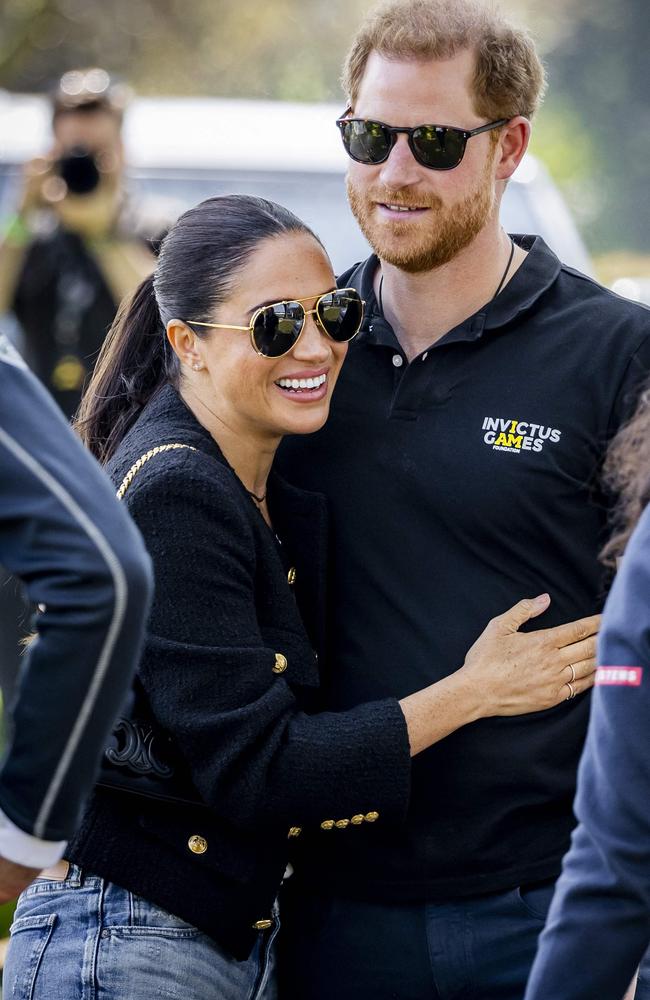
x: 466, y: 949
x: 85, y: 939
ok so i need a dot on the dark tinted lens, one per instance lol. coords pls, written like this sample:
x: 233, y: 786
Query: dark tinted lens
x: 341, y: 313
x: 368, y: 142
x: 277, y: 328
x: 440, y: 148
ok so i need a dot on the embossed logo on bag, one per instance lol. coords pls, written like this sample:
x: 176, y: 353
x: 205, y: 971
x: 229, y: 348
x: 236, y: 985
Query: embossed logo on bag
x: 507, y: 434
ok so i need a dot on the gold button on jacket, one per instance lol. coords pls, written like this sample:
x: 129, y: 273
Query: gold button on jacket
x: 262, y: 925
x: 358, y: 819
x: 327, y: 824
x: 294, y: 831
x: 342, y: 823
x: 291, y: 576
x: 371, y: 817
x: 280, y: 663
x: 197, y: 845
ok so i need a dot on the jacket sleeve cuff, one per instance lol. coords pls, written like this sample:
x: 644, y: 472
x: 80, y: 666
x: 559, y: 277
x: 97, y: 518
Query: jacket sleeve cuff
x: 23, y: 849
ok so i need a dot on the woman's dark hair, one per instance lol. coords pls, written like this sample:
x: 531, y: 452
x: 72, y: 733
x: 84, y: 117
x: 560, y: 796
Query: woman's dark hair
x: 627, y: 472
x: 197, y: 266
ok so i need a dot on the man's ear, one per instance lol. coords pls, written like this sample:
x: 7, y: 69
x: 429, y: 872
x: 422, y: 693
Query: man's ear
x: 513, y: 143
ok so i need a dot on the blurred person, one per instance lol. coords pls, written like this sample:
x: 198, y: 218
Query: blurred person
x: 461, y: 464
x: 223, y: 760
x: 76, y: 244
x: 599, y: 922
x: 74, y: 248
x: 63, y: 533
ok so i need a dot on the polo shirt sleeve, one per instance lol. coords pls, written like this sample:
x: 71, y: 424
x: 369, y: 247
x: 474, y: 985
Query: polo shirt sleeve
x: 255, y: 756
x: 599, y: 923
x: 635, y: 376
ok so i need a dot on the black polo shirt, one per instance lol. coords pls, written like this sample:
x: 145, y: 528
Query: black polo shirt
x: 458, y: 484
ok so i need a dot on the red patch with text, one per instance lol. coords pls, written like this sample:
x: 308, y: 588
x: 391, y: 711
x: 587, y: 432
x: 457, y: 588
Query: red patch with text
x: 619, y: 676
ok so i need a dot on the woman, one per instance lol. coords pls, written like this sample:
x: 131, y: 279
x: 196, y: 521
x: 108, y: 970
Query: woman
x: 171, y: 881
x: 599, y: 923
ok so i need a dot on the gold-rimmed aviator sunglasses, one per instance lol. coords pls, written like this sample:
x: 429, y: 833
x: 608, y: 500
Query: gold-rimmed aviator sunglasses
x: 275, y: 328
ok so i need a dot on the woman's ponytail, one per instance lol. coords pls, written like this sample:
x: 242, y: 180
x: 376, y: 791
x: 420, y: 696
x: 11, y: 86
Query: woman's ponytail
x: 132, y: 364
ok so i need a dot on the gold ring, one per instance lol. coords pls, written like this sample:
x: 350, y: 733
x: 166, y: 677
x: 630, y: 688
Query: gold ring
x: 571, y: 689
x: 573, y: 673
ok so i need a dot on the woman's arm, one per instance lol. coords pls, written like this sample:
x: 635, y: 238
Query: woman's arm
x: 255, y: 756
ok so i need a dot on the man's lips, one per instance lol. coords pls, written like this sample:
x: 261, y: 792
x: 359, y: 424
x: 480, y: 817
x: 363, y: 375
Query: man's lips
x: 390, y: 210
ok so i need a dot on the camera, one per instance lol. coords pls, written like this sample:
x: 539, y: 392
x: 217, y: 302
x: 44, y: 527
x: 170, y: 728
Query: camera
x: 78, y: 168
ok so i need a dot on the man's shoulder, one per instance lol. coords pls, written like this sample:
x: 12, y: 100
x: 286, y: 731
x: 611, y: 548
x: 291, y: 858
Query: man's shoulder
x: 610, y: 305
x: 359, y: 275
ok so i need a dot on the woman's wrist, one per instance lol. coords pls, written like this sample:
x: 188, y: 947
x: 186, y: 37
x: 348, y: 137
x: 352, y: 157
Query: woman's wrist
x: 441, y: 709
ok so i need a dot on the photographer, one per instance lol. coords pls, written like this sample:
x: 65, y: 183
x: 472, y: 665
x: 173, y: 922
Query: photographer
x: 74, y: 248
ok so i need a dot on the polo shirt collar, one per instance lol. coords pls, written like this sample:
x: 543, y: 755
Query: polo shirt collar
x: 535, y: 276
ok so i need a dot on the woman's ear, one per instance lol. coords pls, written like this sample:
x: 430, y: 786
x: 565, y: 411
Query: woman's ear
x: 184, y: 342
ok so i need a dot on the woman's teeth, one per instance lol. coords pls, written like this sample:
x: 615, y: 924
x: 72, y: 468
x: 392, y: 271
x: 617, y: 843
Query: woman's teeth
x: 298, y: 384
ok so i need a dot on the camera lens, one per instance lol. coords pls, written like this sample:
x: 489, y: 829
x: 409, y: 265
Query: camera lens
x: 79, y: 170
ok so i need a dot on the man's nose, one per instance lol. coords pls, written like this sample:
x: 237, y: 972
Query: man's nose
x: 401, y: 169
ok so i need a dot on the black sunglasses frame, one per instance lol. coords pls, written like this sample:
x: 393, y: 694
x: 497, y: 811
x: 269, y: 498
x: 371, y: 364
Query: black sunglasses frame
x: 392, y: 131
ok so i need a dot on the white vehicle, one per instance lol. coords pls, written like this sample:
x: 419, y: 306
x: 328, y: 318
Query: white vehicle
x: 187, y: 149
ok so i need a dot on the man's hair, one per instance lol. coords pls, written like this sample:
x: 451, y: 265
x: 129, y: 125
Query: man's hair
x: 509, y: 78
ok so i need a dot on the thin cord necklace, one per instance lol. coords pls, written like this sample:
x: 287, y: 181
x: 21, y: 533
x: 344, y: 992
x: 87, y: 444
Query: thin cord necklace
x: 255, y: 497
x: 499, y: 286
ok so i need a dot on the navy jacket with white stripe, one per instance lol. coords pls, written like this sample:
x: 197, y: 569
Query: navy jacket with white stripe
x: 599, y: 924
x: 74, y: 546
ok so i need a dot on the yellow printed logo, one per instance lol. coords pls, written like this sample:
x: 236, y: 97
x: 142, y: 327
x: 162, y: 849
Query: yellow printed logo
x: 517, y: 435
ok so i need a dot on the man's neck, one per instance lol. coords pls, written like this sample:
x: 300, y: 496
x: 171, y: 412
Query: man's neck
x: 422, y: 308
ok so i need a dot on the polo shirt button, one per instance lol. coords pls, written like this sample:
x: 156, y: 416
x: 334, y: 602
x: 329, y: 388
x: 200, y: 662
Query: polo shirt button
x: 398, y: 360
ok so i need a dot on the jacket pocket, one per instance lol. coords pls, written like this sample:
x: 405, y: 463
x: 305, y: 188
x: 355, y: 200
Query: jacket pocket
x: 197, y: 837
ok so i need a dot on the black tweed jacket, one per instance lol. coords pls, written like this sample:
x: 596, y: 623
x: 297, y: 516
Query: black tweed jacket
x: 231, y: 671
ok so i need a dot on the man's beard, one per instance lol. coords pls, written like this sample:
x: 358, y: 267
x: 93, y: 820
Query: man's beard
x: 451, y: 227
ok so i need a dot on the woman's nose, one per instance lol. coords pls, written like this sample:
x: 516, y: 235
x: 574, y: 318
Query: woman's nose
x: 313, y: 344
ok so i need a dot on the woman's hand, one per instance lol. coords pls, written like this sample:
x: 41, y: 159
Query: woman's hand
x: 518, y: 672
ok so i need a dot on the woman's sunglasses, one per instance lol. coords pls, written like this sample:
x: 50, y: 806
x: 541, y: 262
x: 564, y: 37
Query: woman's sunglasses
x: 438, y: 147
x: 275, y: 329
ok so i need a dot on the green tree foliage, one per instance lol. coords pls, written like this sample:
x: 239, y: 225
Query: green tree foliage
x: 593, y: 132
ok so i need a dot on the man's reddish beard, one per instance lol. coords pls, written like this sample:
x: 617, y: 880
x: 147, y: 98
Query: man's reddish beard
x: 450, y: 228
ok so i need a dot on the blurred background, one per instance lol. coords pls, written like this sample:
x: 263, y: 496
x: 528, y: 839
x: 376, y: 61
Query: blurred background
x: 593, y: 133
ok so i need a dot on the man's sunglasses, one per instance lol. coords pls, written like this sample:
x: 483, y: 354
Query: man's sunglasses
x: 438, y: 147
x: 275, y: 329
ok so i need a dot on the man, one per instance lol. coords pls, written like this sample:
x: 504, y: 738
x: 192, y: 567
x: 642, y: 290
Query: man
x: 75, y: 247
x: 65, y: 535
x: 460, y: 463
